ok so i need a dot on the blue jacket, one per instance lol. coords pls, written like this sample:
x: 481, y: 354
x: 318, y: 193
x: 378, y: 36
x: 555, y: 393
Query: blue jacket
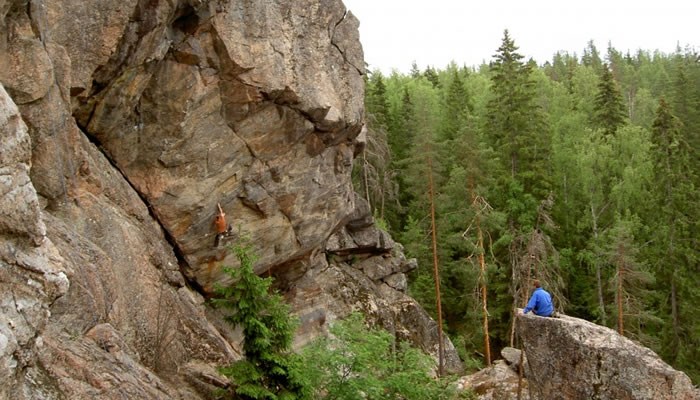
x: 540, y: 303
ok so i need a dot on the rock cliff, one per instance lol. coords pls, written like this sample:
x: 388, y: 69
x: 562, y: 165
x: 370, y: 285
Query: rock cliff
x: 124, y: 125
x: 570, y: 358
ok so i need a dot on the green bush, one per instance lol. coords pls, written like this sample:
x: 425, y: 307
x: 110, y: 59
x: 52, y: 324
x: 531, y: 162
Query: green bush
x: 356, y: 362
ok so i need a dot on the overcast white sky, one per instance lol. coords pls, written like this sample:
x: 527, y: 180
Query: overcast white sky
x: 394, y: 33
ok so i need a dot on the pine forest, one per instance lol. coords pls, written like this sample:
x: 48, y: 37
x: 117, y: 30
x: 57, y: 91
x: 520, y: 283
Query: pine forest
x: 581, y: 173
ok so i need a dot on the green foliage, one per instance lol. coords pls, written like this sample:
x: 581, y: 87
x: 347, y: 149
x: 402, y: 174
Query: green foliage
x: 269, y: 370
x: 566, y: 155
x: 622, y: 255
x: 610, y: 112
x: 674, y: 217
x: 515, y: 122
x: 356, y: 362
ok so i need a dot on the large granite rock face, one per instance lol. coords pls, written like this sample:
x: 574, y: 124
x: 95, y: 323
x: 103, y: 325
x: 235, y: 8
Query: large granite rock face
x: 124, y: 125
x: 570, y: 358
x: 254, y: 106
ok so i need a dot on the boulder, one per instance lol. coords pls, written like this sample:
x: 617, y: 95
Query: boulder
x: 497, y: 382
x: 570, y: 358
x: 512, y: 357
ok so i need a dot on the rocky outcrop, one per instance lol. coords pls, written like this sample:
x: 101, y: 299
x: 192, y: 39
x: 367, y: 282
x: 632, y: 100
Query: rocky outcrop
x: 497, y: 382
x: 32, y: 272
x: 500, y: 380
x: 569, y: 358
x: 124, y: 124
x: 93, y: 302
x: 362, y: 269
x: 512, y: 357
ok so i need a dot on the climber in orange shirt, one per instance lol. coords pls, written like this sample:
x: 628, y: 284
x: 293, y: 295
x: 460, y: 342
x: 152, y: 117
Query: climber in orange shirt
x: 222, y: 229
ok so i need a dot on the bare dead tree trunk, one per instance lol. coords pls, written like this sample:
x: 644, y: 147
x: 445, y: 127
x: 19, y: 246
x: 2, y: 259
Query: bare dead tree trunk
x: 620, y: 267
x: 675, y: 323
x: 521, y: 373
x: 528, y: 280
x: 381, y: 209
x: 598, y: 272
x: 477, y: 206
x: 513, y: 280
x: 365, y: 178
x: 674, y: 313
x: 482, y: 281
x: 522, y: 350
x: 436, y: 274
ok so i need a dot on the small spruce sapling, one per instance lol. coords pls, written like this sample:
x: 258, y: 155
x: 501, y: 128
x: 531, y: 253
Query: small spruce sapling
x: 270, y: 370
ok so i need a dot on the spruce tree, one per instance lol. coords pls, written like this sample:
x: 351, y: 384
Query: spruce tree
x: 631, y: 280
x: 269, y: 370
x: 457, y: 108
x: 373, y: 171
x: 516, y: 125
x: 515, y: 121
x: 431, y: 76
x: 685, y: 101
x: 376, y: 104
x: 591, y: 57
x: 676, y: 213
x: 609, y: 109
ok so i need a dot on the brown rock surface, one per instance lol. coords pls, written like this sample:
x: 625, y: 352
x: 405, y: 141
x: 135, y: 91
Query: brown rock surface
x: 570, y: 358
x: 124, y: 124
x: 225, y: 105
x: 332, y: 285
x: 32, y: 272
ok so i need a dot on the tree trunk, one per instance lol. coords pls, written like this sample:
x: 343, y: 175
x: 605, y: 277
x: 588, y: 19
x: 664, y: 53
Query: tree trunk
x: 482, y: 281
x: 620, y: 311
x: 365, y: 178
x: 513, y: 279
x: 674, y: 316
x: 521, y: 373
x: 436, y: 274
x: 522, y: 350
x: 598, y: 272
x: 675, y: 322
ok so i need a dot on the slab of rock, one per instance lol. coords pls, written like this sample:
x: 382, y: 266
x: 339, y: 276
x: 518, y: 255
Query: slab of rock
x: 19, y: 203
x: 570, y: 358
x: 512, y: 357
x: 497, y: 382
x: 32, y: 271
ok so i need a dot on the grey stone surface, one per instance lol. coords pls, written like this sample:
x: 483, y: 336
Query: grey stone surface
x: 512, y: 357
x: 570, y: 358
x: 497, y: 382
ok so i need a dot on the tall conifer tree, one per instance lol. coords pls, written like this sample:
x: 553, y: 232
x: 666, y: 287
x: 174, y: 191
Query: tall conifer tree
x: 609, y: 109
x: 516, y: 126
x: 676, y: 213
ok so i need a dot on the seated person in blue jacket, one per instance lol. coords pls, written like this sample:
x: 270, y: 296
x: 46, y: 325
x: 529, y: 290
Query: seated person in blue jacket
x: 540, y: 303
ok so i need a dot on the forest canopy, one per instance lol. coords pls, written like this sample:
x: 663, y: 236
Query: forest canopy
x: 581, y: 172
